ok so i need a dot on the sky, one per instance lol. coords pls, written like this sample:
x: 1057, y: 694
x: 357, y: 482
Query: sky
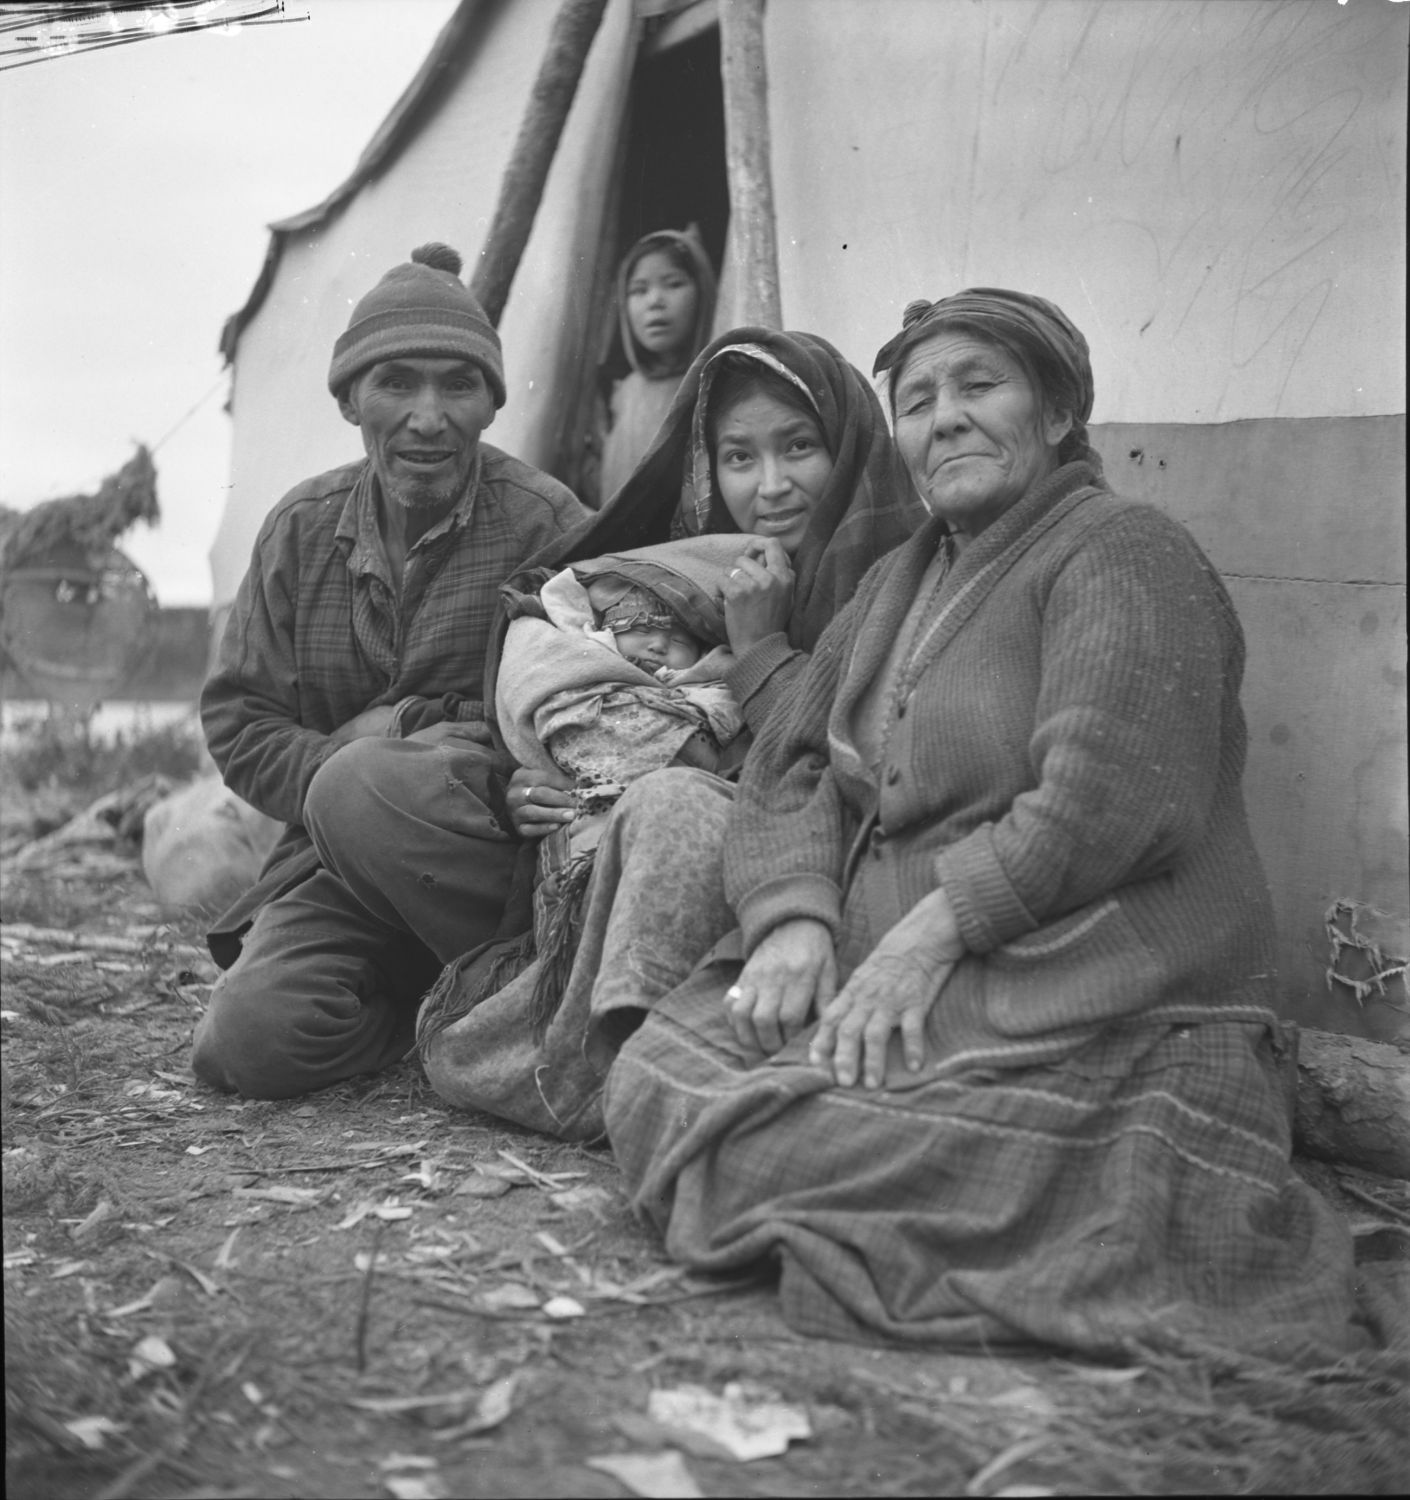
x: 136, y: 187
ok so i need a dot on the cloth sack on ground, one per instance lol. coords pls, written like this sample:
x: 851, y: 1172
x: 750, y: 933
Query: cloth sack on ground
x: 203, y: 847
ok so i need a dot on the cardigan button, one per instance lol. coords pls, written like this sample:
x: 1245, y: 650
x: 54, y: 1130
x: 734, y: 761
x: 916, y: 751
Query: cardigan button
x: 901, y: 708
x: 893, y: 775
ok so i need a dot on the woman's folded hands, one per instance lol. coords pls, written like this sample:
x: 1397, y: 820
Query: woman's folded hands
x: 893, y: 988
x: 791, y: 977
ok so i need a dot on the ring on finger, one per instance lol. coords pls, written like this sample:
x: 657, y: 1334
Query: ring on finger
x: 735, y: 992
x: 736, y: 572
x: 529, y: 794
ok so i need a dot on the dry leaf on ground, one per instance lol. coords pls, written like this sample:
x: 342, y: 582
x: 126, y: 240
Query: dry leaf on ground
x: 482, y: 1185
x: 564, y: 1307
x: 415, y: 1486
x: 93, y: 1432
x: 507, y: 1297
x: 660, y: 1476
x: 495, y: 1403
x: 148, y: 1355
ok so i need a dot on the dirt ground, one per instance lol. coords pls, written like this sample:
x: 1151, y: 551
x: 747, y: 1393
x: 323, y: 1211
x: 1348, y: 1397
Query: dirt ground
x: 366, y: 1293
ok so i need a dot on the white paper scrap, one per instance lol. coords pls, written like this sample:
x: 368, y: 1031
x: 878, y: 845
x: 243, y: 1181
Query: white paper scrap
x: 749, y: 1421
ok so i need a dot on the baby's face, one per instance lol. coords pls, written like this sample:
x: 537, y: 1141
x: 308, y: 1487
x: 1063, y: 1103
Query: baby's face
x: 661, y: 647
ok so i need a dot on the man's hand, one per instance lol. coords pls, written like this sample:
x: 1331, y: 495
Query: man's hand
x: 792, y: 973
x: 450, y: 730
x: 893, y: 988
x: 370, y: 722
x: 540, y: 801
x: 758, y: 593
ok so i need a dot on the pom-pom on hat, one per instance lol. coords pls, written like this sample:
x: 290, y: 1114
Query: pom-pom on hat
x: 420, y: 308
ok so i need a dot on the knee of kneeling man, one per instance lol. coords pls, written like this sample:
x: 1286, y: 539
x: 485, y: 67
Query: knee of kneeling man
x: 239, y: 1057
x: 338, y: 792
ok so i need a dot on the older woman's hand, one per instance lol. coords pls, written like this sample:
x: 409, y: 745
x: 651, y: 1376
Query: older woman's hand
x: 758, y: 593
x: 540, y: 801
x: 893, y: 988
x: 790, y: 974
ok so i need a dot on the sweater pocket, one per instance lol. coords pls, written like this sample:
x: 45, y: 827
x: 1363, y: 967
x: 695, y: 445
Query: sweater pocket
x: 1089, y: 967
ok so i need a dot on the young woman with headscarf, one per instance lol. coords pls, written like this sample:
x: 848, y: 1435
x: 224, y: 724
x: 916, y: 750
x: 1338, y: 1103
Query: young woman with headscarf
x: 991, y: 1056
x: 773, y: 436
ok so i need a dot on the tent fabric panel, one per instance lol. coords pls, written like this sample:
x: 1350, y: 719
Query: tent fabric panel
x: 451, y: 51
x: 545, y: 327
x: 1301, y: 519
x: 1316, y: 498
x: 1326, y: 780
x: 1214, y: 193
x: 445, y: 187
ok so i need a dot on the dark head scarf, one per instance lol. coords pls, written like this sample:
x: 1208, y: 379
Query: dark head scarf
x: 1035, y: 331
x: 867, y: 507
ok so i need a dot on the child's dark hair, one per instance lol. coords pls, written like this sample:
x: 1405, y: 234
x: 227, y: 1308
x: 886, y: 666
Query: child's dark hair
x: 671, y: 247
x: 737, y: 377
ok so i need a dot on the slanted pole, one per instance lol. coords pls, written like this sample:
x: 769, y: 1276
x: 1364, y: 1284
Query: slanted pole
x: 753, y: 240
x: 521, y: 189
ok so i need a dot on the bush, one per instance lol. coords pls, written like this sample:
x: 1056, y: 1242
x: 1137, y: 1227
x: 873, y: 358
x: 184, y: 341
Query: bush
x: 61, y: 755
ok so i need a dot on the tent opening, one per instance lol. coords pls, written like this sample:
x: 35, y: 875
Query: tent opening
x: 674, y: 173
x: 670, y: 172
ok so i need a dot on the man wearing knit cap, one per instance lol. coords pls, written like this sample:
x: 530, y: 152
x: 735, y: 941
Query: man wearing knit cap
x: 366, y: 613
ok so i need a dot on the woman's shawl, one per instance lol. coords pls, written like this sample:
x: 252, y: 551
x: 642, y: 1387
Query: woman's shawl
x: 868, y: 506
x: 557, y: 670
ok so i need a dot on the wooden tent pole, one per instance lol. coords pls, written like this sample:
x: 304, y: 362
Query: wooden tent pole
x: 521, y: 188
x: 751, y: 189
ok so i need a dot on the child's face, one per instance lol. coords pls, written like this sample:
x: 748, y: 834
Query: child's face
x: 661, y: 304
x: 661, y: 647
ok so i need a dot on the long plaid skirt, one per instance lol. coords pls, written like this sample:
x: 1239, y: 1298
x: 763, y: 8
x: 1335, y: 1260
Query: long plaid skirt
x: 1134, y: 1193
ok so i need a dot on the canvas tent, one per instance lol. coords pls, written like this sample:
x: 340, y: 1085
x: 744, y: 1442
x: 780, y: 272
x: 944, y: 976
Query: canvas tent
x: 1215, y: 192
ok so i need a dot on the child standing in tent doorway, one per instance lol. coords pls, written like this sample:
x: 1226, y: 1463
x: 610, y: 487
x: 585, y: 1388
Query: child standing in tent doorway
x: 665, y: 304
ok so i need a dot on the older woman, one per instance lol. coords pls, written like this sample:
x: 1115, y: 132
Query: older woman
x: 773, y: 437
x: 991, y: 1056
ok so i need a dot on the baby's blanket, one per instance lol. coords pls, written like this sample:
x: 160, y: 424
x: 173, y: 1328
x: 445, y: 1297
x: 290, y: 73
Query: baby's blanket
x: 559, y: 673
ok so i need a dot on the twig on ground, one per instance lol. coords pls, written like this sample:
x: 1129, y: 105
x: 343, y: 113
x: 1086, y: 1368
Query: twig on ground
x: 1372, y: 1201
x: 154, y: 945
x: 366, y: 1303
x: 597, y: 1309
x: 210, y: 1287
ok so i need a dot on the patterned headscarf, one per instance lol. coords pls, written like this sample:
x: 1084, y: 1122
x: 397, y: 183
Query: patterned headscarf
x: 1035, y: 331
x: 637, y: 609
x: 867, y: 507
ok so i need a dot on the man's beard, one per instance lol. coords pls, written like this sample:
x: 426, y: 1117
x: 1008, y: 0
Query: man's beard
x: 424, y: 494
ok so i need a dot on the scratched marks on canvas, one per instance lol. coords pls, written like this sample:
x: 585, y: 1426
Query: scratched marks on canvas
x: 1257, y: 156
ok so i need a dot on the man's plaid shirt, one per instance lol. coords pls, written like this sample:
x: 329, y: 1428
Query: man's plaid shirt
x: 317, y: 634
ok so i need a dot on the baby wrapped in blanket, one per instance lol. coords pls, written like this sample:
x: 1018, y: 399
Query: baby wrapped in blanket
x: 612, y: 669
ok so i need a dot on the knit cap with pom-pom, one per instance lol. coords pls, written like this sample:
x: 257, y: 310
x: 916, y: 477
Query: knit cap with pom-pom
x: 438, y: 256
x: 419, y: 309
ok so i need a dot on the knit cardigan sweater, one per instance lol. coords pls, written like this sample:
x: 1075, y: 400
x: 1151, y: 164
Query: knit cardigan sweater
x: 1062, y: 751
